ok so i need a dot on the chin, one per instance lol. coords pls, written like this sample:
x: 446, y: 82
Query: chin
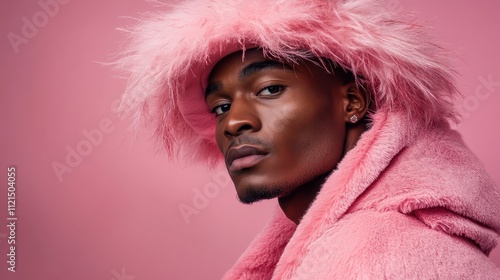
x: 251, y: 194
x: 255, y: 186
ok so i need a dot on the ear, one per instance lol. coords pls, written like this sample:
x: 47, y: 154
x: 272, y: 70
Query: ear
x: 356, y: 103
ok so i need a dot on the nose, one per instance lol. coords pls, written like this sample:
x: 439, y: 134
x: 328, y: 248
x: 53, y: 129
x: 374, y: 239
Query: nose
x: 241, y: 118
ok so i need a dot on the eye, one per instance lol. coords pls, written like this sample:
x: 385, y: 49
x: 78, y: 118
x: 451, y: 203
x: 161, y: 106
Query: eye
x: 271, y: 90
x: 221, y: 109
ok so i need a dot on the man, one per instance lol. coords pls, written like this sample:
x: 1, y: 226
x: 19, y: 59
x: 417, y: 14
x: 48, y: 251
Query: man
x: 341, y: 111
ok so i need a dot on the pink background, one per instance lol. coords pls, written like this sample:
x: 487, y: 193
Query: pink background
x: 115, y: 213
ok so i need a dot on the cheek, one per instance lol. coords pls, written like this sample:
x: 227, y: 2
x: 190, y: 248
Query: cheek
x: 310, y: 139
x: 219, y: 137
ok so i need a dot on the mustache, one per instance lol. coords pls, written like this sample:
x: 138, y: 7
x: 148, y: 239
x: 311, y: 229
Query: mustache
x: 247, y: 139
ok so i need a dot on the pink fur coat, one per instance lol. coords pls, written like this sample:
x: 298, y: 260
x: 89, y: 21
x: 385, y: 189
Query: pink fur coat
x: 410, y: 201
x: 405, y: 203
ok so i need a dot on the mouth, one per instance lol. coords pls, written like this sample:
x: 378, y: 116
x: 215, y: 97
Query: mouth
x: 244, y: 156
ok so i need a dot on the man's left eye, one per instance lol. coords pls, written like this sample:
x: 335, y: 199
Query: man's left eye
x: 270, y: 90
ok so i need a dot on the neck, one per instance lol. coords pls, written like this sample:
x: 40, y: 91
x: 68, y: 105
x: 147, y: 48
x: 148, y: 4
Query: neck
x: 296, y: 203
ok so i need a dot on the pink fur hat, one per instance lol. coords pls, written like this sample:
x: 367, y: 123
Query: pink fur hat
x: 171, y: 54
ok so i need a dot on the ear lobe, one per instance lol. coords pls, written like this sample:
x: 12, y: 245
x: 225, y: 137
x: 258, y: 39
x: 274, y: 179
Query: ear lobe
x: 356, y: 103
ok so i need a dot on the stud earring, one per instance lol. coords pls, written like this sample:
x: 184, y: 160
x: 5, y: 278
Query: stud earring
x: 354, y: 119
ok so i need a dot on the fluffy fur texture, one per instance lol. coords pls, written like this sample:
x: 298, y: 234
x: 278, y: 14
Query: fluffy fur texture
x: 404, y: 203
x: 171, y: 54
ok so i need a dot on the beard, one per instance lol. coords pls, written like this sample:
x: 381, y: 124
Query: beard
x: 254, y: 194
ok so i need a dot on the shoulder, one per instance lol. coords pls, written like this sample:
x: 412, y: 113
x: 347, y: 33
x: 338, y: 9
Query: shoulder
x: 391, y: 245
x: 436, y: 170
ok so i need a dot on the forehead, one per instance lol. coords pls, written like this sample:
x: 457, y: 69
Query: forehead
x: 233, y: 63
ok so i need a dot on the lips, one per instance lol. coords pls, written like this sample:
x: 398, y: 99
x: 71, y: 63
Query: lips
x: 244, y: 156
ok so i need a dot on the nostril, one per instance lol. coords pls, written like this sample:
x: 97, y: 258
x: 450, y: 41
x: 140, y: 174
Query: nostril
x: 245, y: 127
x: 238, y: 130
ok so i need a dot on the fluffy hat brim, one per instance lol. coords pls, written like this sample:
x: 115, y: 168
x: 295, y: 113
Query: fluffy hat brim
x: 171, y: 53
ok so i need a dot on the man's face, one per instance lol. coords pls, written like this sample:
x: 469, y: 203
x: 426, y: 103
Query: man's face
x: 279, y: 125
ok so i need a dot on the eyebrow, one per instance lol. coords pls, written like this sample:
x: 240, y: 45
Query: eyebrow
x: 213, y: 87
x: 249, y: 70
x: 259, y: 66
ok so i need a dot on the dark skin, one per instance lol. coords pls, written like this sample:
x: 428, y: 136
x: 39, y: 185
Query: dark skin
x: 282, y: 127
